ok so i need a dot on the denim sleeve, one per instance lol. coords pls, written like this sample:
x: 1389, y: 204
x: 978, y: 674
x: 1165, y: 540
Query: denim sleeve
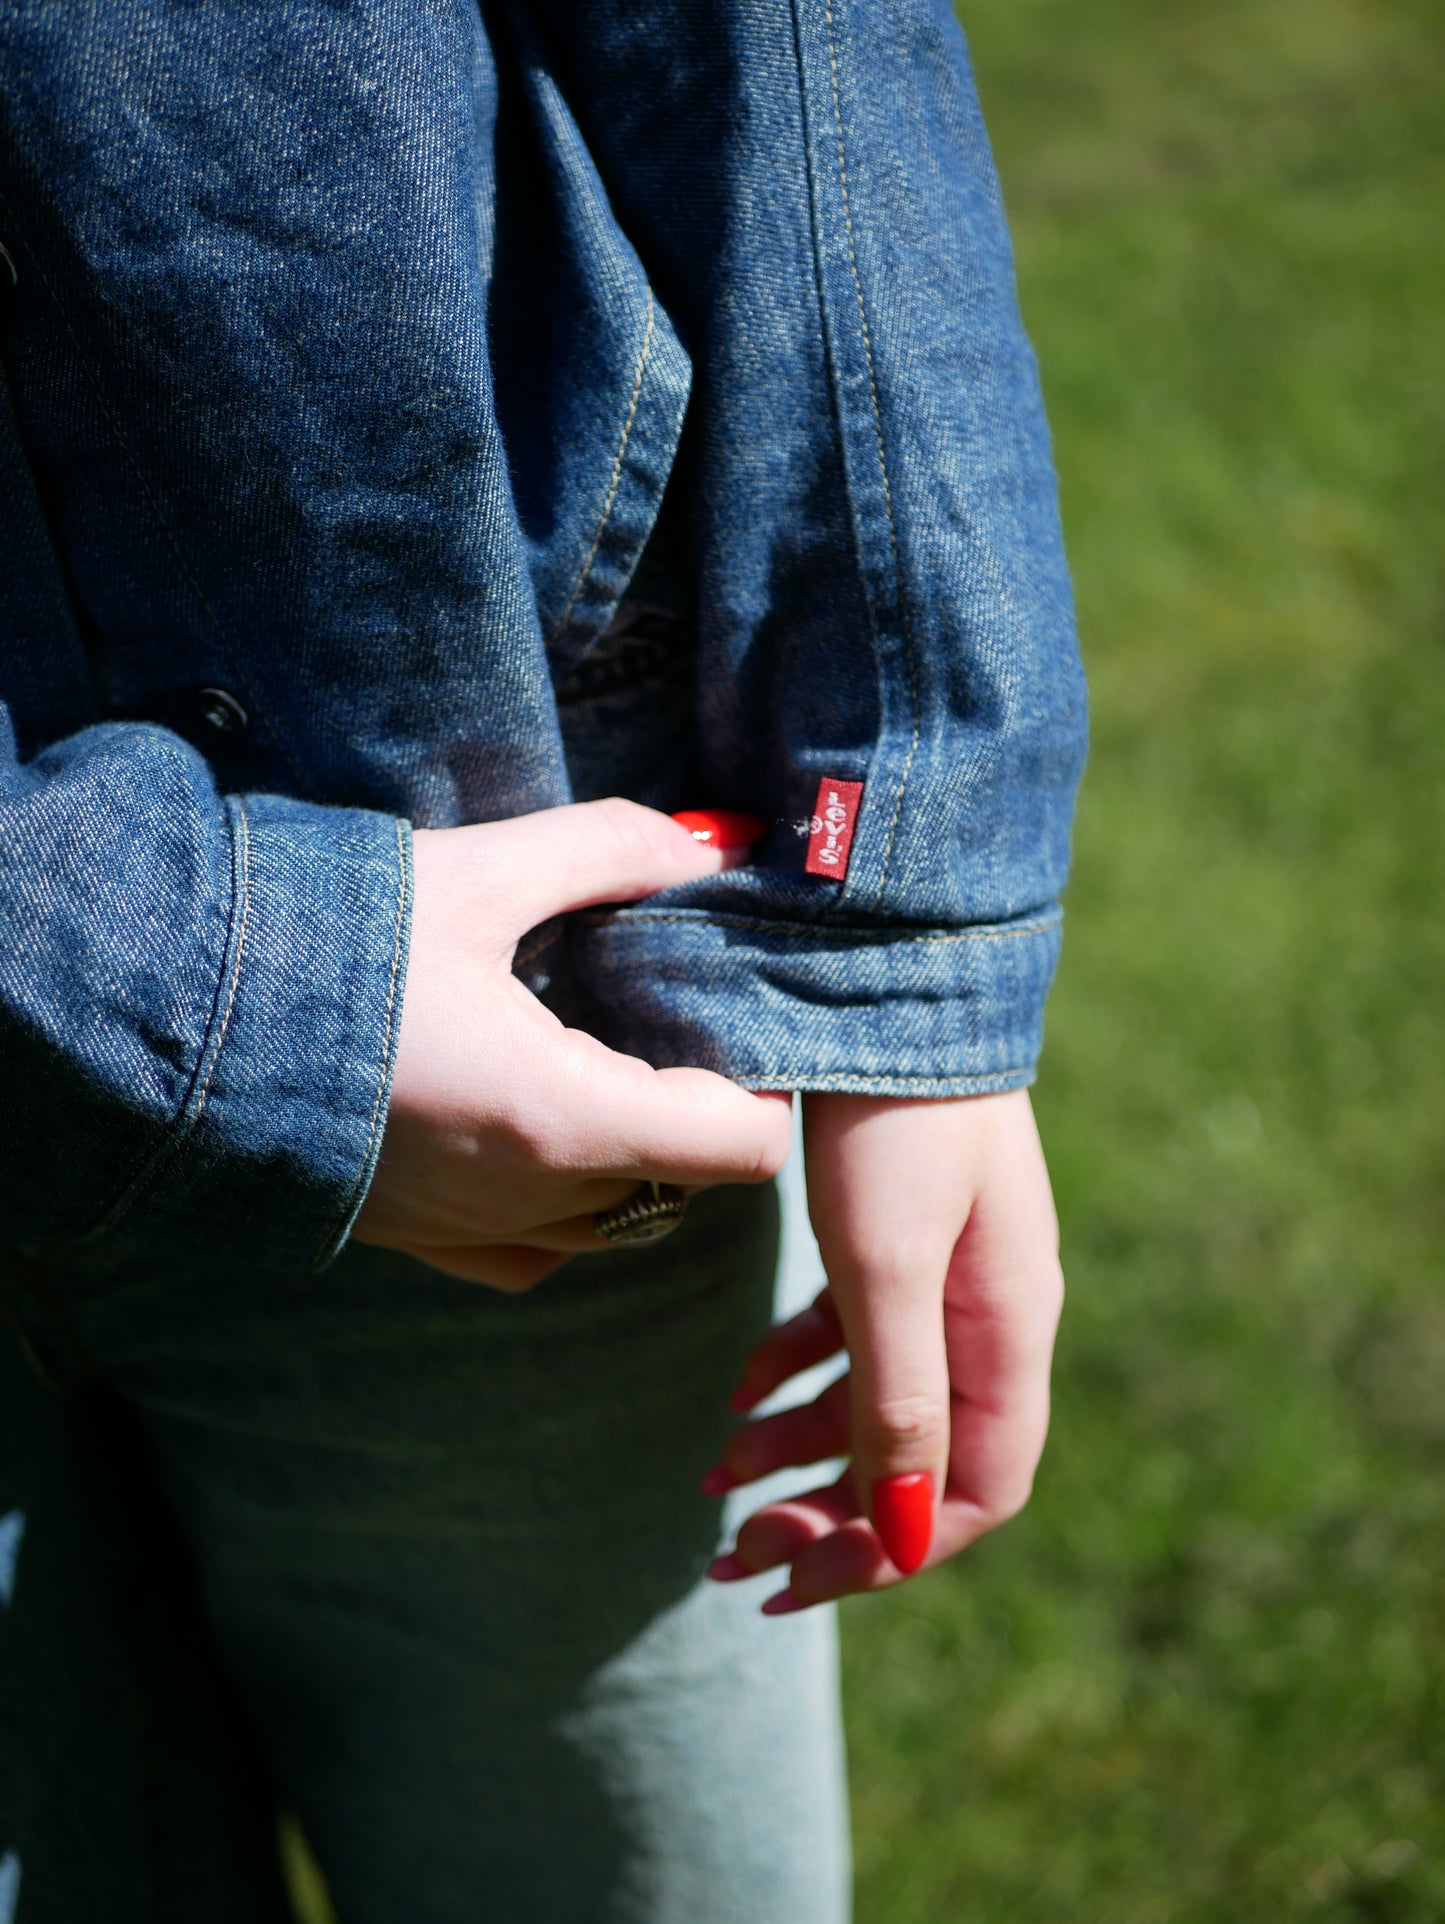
x: 886, y: 639
x: 198, y: 1003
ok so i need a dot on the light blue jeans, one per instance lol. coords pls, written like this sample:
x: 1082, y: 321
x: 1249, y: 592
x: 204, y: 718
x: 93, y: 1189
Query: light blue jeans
x: 423, y: 1563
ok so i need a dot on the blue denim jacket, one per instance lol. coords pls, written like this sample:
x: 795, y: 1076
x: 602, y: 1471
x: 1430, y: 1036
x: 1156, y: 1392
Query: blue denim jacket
x: 421, y: 414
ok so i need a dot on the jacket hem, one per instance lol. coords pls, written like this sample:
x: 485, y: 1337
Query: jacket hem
x: 942, y: 1012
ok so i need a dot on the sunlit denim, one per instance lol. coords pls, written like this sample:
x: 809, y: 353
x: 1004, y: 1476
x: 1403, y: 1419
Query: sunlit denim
x: 413, y: 413
x: 350, y: 352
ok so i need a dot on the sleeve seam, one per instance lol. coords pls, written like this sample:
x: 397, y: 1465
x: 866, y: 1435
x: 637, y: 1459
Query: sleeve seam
x: 193, y: 1108
x: 616, y: 478
x: 383, y: 1079
x: 899, y: 585
x: 827, y: 931
x: 811, y: 1083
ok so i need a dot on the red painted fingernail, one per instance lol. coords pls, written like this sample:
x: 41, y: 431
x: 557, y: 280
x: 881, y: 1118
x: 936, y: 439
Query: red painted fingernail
x: 727, y: 1569
x: 903, y: 1518
x: 783, y: 1604
x: 722, y: 827
x: 718, y: 1481
x: 744, y: 1399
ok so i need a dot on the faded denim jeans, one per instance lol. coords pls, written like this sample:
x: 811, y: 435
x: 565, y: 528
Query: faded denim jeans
x: 422, y: 1562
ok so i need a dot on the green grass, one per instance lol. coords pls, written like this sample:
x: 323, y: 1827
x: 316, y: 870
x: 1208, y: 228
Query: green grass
x: 1203, y: 1677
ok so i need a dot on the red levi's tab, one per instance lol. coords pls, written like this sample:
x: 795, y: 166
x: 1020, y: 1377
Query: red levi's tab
x: 835, y: 815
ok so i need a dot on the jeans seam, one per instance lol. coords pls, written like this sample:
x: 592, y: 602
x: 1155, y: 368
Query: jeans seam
x: 882, y: 458
x: 616, y: 479
x: 388, y: 1021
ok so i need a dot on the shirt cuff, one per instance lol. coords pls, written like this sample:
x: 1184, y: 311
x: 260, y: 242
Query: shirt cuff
x: 858, y: 1010
x: 272, y: 1153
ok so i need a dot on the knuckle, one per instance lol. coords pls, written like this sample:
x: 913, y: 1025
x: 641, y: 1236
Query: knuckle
x: 1055, y: 1288
x: 889, y: 1256
x: 772, y: 1155
x: 903, y: 1422
x: 538, y: 1138
x: 1048, y: 1293
x: 554, y: 1151
x: 637, y: 834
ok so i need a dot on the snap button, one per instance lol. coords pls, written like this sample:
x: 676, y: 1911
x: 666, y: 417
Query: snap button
x: 220, y: 710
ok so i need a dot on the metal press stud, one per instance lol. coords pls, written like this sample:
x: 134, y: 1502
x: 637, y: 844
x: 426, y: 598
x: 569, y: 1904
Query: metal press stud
x: 220, y: 710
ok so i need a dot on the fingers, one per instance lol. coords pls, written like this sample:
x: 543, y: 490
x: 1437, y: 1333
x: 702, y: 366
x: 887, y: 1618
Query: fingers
x: 696, y: 1129
x: 886, y: 1209
x: 508, y: 1267
x: 498, y: 1116
x: 899, y: 1407
x: 782, y: 1532
x: 683, y: 1126
x: 1003, y: 1297
x: 830, y: 1549
x: 570, y: 1235
x: 833, y: 1551
x: 575, y: 1235
x: 809, y: 1434
x: 848, y: 1560
x: 535, y: 866
x: 808, y: 1338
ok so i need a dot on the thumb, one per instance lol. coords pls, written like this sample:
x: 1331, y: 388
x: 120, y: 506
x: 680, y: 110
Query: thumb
x: 887, y: 1264
x: 540, y: 865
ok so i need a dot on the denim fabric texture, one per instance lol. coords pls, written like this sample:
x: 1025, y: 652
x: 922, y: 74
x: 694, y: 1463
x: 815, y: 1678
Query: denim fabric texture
x: 427, y: 414
x: 425, y: 1563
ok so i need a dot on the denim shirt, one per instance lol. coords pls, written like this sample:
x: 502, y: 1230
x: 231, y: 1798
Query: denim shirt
x: 418, y: 414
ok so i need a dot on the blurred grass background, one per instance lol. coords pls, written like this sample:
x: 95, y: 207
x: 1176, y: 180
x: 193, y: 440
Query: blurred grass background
x: 1203, y: 1677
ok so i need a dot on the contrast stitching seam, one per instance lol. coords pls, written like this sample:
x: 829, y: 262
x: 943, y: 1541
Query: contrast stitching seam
x: 190, y: 1122
x: 245, y: 866
x: 616, y: 480
x: 820, y: 1084
x: 346, y: 1207
x: 700, y: 918
x: 882, y: 456
x: 165, y: 527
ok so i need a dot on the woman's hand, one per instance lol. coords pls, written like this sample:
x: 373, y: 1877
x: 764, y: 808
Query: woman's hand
x: 507, y: 1132
x: 938, y: 1235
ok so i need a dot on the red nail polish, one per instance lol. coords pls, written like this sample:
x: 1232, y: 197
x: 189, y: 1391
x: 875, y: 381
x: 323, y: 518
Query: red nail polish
x: 903, y: 1518
x: 782, y: 1604
x: 718, y: 1481
x: 744, y: 1399
x: 728, y: 1568
x: 722, y: 827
